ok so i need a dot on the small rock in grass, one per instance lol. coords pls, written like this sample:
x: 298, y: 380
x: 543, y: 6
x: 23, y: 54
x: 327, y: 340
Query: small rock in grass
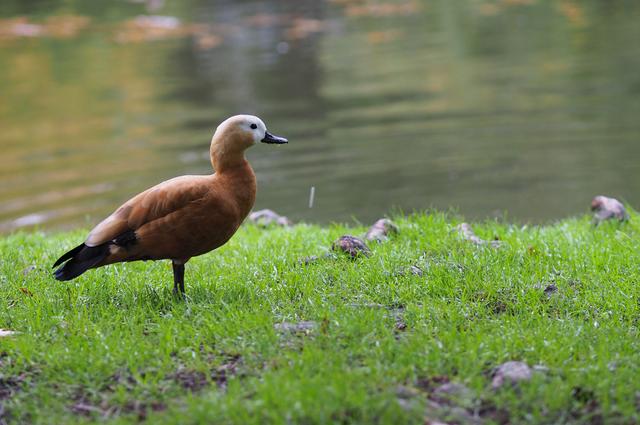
x: 464, y: 229
x: 550, y: 290
x: 304, y: 326
x: 401, y: 326
x: 381, y: 230
x: 314, y: 258
x: 308, y: 260
x: 27, y: 270
x: 451, y: 392
x: 414, y: 270
x: 268, y: 217
x: 510, y: 372
x: 449, y: 414
x: 605, y: 208
x: 403, y: 391
x: 407, y: 397
x: 352, y: 246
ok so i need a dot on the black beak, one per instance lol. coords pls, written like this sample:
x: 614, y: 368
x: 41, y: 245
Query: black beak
x: 270, y: 138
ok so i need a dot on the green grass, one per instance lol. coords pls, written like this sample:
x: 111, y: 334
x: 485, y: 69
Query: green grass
x: 115, y: 346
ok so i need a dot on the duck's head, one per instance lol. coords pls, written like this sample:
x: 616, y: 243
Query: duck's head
x: 236, y: 134
x: 244, y: 131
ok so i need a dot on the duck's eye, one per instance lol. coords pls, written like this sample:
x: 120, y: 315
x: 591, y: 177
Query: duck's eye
x: 254, y: 126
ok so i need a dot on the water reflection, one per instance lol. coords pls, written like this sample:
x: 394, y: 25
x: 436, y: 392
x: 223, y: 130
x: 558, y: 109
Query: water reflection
x: 528, y: 107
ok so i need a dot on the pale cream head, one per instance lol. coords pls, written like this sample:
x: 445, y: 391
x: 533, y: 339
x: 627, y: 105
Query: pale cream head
x: 236, y: 134
x: 241, y: 130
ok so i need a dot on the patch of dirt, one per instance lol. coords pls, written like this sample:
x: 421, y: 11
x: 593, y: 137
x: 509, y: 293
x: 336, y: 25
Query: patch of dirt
x: 98, y: 405
x: 220, y: 375
x: 192, y: 380
x: 450, y: 402
x: 305, y: 326
x: 430, y: 383
x: 104, y: 410
x: 123, y: 378
x: 489, y: 412
x: 588, y: 407
x: 10, y: 385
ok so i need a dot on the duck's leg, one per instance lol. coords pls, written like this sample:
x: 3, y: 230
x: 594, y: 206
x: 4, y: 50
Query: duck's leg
x: 178, y: 278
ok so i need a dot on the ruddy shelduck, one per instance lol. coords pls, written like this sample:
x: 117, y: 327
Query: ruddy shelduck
x: 182, y: 217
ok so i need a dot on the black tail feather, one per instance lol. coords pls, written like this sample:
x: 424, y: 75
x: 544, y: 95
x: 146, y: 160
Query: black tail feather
x: 80, y: 259
x: 68, y: 255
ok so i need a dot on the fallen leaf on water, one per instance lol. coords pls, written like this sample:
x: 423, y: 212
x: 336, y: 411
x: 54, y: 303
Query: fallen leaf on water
x: 383, y: 9
x: 151, y: 27
x: 66, y: 26
x: 62, y: 26
x: 518, y: 2
x: 573, y: 12
x: 263, y: 20
x: 302, y: 28
x: 206, y: 41
x: 379, y: 37
x: 19, y: 27
x: 489, y: 9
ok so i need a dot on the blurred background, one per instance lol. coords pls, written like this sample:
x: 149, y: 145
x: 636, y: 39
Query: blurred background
x: 523, y: 108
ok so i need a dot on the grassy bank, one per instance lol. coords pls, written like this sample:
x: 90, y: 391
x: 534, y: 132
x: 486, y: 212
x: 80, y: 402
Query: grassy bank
x: 265, y: 339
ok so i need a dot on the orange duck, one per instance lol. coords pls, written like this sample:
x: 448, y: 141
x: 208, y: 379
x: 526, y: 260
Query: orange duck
x: 182, y: 217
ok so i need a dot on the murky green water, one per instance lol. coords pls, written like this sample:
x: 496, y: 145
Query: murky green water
x: 518, y: 106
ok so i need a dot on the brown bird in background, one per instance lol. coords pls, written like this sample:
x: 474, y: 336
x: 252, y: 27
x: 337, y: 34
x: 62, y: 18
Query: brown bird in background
x: 182, y: 217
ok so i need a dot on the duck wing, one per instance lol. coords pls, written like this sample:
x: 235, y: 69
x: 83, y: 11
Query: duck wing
x: 155, y: 203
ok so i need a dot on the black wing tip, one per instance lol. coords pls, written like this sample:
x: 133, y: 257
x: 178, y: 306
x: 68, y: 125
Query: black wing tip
x: 68, y: 255
x: 79, y: 260
x: 61, y: 275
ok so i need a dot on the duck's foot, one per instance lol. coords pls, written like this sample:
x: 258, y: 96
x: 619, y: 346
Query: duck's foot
x: 178, y: 279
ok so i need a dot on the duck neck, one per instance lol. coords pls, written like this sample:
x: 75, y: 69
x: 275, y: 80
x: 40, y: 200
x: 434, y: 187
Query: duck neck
x: 223, y: 159
x: 239, y: 180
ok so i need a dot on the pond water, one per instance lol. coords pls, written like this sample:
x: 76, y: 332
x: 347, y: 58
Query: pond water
x: 521, y: 108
